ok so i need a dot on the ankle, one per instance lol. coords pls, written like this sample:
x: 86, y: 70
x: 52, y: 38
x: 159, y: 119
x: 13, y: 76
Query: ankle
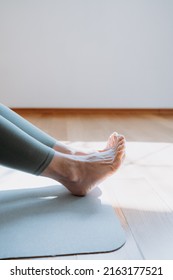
x: 62, y: 167
x: 59, y: 147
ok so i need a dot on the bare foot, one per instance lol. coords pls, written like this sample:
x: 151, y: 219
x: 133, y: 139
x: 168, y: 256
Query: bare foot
x: 79, y: 174
x: 66, y: 149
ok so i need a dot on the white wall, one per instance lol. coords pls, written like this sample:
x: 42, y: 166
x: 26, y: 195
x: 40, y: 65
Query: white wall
x: 86, y: 53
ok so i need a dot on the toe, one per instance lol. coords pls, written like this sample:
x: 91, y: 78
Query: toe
x: 121, y: 144
x: 120, y: 155
x: 112, y: 140
x: 121, y: 137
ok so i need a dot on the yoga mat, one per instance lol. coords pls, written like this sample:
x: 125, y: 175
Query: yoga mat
x: 49, y: 221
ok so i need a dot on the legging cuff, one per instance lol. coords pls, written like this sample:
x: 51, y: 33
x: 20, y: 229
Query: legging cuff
x: 44, y: 164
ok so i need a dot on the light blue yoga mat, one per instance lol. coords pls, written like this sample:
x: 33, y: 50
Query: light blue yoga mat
x: 49, y: 221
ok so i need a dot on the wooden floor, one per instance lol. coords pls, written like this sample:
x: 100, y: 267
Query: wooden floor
x: 141, y: 192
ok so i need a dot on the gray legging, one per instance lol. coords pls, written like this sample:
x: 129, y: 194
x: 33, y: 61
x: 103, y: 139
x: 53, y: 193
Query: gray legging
x: 22, y: 145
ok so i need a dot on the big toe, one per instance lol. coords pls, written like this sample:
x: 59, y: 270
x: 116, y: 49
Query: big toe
x: 112, y: 140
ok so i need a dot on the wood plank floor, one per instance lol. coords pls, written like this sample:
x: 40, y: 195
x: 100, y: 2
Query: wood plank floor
x: 141, y: 192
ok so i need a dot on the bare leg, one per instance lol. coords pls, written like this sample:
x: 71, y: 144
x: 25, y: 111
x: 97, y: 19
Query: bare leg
x: 79, y: 174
